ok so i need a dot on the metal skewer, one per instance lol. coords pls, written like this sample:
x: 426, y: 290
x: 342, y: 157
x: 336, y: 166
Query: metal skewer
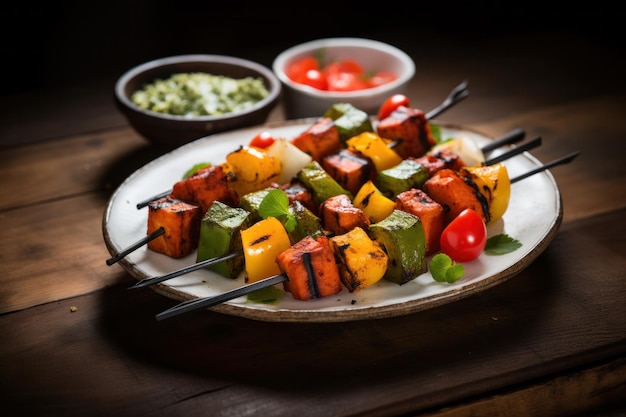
x: 182, y: 271
x: 515, y: 151
x: 206, y: 302
x: 457, y: 94
x: 559, y: 161
x: 514, y: 136
x: 136, y: 246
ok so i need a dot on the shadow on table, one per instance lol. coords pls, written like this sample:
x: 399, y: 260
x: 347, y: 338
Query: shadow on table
x: 484, y: 331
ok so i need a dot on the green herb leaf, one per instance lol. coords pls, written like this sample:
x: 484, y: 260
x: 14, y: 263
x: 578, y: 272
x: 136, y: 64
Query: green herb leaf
x: 267, y: 295
x: 276, y: 204
x: 443, y: 269
x: 501, y: 244
x: 195, y: 169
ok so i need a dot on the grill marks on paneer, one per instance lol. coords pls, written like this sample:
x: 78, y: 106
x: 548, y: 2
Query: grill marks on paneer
x: 409, y: 127
x: 181, y: 222
x: 204, y: 187
x: 310, y: 268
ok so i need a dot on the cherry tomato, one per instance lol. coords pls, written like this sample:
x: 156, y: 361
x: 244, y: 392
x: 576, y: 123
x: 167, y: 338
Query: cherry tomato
x: 262, y: 140
x: 345, y: 65
x: 314, y: 78
x: 381, y: 77
x: 297, y: 70
x: 391, y: 104
x: 464, y: 239
x: 346, y: 81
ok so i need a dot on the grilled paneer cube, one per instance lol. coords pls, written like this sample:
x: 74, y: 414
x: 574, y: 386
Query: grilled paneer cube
x: 320, y: 139
x: 181, y: 222
x: 296, y: 191
x: 207, y: 185
x: 456, y: 193
x: 339, y: 215
x: 349, y: 169
x: 442, y: 159
x: 310, y: 268
x: 220, y: 234
x: 401, y: 236
x: 430, y: 213
x: 409, y: 127
x: 362, y: 262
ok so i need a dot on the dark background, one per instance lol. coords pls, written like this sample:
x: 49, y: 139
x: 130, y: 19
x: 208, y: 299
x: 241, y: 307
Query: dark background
x: 52, y: 44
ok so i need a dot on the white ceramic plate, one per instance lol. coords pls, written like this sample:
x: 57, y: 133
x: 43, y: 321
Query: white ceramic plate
x: 533, y: 217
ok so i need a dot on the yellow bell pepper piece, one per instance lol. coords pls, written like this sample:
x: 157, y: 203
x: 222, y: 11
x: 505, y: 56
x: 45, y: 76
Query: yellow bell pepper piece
x: 251, y: 169
x: 494, y: 183
x: 373, y: 203
x: 372, y: 146
x: 262, y: 242
x: 362, y: 261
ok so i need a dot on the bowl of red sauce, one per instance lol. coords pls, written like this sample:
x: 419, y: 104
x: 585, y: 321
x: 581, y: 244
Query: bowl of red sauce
x: 320, y: 73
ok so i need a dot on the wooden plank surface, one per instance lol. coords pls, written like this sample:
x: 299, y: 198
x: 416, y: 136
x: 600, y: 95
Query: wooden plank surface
x: 550, y: 341
x: 537, y: 325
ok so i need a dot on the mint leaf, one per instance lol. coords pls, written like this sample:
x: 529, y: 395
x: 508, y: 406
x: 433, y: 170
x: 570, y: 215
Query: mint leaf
x: 276, y: 204
x: 195, y: 169
x: 501, y: 244
x: 444, y: 270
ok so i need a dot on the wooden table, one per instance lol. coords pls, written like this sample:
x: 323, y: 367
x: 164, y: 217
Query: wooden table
x: 550, y: 341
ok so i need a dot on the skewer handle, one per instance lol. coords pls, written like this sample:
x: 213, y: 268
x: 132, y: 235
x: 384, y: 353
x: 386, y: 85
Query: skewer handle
x: 207, y: 302
x: 513, y: 136
x: 563, y: 160
x: 457, y: 94
x: 144, y: 203
x: 136, y: 245
x: 515, y: 151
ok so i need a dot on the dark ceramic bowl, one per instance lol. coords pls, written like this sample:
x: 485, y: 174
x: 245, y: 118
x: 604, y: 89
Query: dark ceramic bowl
x: 175, y: 130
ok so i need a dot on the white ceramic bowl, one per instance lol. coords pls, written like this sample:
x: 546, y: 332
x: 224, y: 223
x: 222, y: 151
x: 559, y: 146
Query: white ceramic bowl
x: 303, y: 101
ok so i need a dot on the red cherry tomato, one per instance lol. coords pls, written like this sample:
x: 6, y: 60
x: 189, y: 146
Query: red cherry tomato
x: 464, y: 239
x: 262, y: 140
x: 381, y: 77
x: 314, y: 78
x: 297, y: 70
x: 391, y: 104
x: 345, y: 65
x: 345, y: 81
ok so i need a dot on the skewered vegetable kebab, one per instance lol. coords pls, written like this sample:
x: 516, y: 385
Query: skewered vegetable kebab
x: 186, y: 193
x: 319, y: 142
x: 207, y: 302
x: 457, y: 94
x: 210, y: 184
x: 314, y: 178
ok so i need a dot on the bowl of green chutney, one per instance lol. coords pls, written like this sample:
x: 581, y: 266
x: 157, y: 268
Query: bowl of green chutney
x: 175, y: 100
